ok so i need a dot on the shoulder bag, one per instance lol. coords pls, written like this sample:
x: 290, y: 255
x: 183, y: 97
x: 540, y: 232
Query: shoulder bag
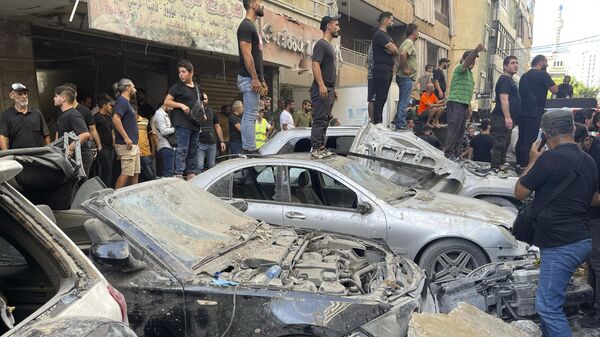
x: 197, y: 114
x: 524, y: 225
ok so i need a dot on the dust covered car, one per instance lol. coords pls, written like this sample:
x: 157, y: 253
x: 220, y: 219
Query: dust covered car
x: 189, y: 264
x: 47, y: 286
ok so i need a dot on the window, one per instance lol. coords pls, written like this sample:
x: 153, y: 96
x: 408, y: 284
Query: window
x: 312, y: 187
x: 486, y: 36
x: 338, y: 144
x: 255, y: 183
x: 222, y: 188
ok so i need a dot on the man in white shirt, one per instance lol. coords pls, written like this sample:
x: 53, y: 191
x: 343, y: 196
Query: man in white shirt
x: 286, y: 119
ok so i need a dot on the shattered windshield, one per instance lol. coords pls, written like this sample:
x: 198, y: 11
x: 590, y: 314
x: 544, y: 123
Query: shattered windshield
x: 186, y: 221
x: 371, y: 181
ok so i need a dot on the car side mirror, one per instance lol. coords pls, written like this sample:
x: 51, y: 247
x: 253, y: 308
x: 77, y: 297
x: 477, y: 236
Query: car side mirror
x: 240, y: 204
x: 364, y: 208
x: 116, y: 255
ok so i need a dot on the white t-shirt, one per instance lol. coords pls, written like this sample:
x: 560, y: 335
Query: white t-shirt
x: 286, y: 118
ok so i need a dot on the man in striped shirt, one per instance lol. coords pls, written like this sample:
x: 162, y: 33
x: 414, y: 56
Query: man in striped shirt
x: 461, y: 92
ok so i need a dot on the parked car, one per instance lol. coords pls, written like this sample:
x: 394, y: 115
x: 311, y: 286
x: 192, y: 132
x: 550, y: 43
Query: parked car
x: 47, y: 286
x: 445, y: 234
x: 189, y: 264
x: 406, y: 160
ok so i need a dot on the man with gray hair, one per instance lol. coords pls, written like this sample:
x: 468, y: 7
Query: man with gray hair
x: 565, y: 181
x: 127, y: 135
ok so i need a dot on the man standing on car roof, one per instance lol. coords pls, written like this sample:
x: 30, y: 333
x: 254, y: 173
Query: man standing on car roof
x: 384, y: 52
x: 22, y: 126
x: 322, y: 91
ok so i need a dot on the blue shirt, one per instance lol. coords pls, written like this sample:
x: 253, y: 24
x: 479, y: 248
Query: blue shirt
x: 129, y: 120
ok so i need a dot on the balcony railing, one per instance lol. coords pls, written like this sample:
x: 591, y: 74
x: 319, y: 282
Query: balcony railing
x: 353, y: 57
x: 362, y: 46
x: 442, y: 18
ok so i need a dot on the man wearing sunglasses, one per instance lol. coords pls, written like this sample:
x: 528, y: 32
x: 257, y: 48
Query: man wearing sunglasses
x: 22, y: 126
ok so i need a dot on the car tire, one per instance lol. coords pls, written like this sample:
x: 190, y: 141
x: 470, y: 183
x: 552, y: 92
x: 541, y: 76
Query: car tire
x: 502, y: 202
x: 447, y: 259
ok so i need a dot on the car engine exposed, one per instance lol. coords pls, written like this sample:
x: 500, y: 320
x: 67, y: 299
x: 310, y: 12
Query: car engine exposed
x: 507, y: 289
x: 312, y: 261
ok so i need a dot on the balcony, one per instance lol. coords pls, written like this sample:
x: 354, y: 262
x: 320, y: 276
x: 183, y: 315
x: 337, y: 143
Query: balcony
x: 442, y: 18
x: 352, y: 57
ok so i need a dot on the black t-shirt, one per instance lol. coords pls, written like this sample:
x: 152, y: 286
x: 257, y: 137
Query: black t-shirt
x: 207, y: 128
x: 247, y: 32
x: 438, y: 75
x: 564, y: 90
x: 128, y: 119
x: 433, y: 140
x: 86, y: 113
x: 594, y: 152
x: 146, y: 110
x: 104, y: 126
x: 482, y: 147
x: 324, y: 53
x: 533, y: 88
x: 381, y: 58
x: 23, y: 130
x: 565, y: 220
x: 234, y: 134
x: 188, y: 96
x: 506, y: 85
x: 71, y: 120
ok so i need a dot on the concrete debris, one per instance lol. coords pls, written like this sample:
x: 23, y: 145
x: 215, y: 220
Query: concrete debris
x: 529, y: 327
x: 464, y: 320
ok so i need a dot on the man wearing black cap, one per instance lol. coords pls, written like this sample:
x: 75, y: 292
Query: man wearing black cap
x: 322, y: 91
x: 561, y: 229
x: 22, y: 126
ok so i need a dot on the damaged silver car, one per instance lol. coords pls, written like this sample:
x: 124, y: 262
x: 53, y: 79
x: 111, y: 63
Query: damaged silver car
x: 447, y: 235
x: 406, y: 160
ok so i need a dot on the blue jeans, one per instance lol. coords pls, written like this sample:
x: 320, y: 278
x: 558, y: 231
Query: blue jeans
x: 405, y: 85
x: 187, y: 149
x: 167, y: 156
x: 557, y: 267
x: 235, y: 147
x: 208, y: 152
x: 250, y: 112
x: 148, y: 170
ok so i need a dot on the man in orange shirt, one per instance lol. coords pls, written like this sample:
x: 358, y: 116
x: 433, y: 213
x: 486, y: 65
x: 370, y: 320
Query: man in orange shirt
x: 429, y: 104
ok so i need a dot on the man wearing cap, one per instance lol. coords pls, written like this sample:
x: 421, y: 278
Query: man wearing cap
x: 22, y: 126
x: 126, y: 135
x: 561, y: 230
x: 322, y: 91
x: 457, y: 108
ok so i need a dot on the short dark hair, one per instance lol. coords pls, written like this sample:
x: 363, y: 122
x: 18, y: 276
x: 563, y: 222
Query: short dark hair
x: 383, y: 16
x: 466, y: 54
x: 508, y: 59
x: 410, y: 28
x: 186, y: 64
x: 247, y: 3
x: 443, y: 60
x: 428, y: 66
x: 67, y: 91
x: 306, y: 101
x: 71, y: 85
x: 581, y: 132
x: 485, y: 124
x: 537, y: 59
x: 102, y: 101
x: 289, y: 101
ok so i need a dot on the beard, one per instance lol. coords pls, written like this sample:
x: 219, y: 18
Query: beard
x: 132, y: 97
x: 544, y: 67
x: 335, y: 35
x: 260, y: 12
x: 23, y: 102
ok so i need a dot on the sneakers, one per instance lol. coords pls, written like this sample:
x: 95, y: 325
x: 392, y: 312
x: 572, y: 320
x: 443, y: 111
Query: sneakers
x: 317, y: 154
x: 327, y: 153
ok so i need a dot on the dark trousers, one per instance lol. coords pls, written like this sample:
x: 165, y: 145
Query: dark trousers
x: 167, y: 159
x: 105, y: 161
x: 456, y: 113
x: 502, y: 140
x: 147, y: 168
x: 383, y: 80
x: 87, y: 157
x: 529, y: 127
x: 321, y: 116
x: 594, y: 262
x: 187, y: 150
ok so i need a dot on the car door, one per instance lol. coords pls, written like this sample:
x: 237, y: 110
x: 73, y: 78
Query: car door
x: 318, y: 200
x: 259, y: 186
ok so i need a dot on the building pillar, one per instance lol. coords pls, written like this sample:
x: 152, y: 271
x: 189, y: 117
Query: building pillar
x: 16, y: 61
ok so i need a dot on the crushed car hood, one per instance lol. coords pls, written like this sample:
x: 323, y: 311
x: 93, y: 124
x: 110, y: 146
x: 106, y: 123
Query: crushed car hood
x: 458, y: 207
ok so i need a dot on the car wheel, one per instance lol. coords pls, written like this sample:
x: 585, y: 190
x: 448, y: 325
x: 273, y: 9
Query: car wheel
x: 502, y: 202
x: 449, y: 259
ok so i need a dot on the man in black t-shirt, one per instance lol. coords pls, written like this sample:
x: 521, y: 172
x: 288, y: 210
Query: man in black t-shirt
x: 565, y: 89
x: 70, y: 119
x: 322, y: 91
x: 533, y: 89
x: 480, y: 146
x: 250, y: 80
x: 184, y: 96
x: 508, y: 103
x: 384, y: 53
x: 106, y: 155
x: 22, y: 126
x: 561, y: 230
x: 235, y: 127
x: 439, y: 79
x: 207, y: 146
